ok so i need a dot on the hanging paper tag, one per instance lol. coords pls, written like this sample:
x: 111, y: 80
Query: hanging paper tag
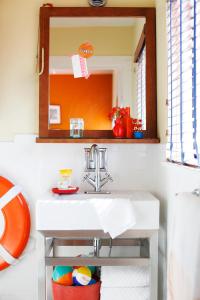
x: 79, y: 65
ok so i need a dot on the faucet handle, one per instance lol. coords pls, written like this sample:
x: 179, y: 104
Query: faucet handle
x: 85, y: 177
x: 109, y: 177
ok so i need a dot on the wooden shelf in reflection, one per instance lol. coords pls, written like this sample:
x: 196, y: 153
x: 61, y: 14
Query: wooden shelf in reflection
x: 98, y: 140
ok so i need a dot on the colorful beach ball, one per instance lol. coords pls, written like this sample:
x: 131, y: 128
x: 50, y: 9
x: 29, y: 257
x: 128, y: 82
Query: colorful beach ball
x: 92, y: 281
x: 92, y: 268
x: 63, y: 275
x: 82, y: 276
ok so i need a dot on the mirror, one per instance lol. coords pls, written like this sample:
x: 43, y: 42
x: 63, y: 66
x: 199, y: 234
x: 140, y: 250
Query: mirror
x: 118, y: 68
x: 114, y: 78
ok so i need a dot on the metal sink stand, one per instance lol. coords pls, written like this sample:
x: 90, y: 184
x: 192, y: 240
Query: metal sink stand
x: 147, y: 240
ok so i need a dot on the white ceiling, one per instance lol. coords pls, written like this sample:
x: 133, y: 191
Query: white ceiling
x: 90, y: 21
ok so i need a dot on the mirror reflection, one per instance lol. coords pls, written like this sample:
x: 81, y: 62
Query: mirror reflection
x: 113, y: 74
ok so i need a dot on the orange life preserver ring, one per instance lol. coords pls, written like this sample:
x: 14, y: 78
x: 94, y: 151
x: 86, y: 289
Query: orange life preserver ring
x: 16, y: 218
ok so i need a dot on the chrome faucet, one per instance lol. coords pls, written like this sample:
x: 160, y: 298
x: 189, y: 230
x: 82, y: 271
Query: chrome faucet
x: 96, y: 162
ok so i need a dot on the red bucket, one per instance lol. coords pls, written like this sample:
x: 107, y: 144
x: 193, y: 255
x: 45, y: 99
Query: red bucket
x: 89, y: 292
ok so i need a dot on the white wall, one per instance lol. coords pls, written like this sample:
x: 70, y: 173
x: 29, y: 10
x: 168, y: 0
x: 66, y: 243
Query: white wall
x: 171, y: 179
x: 35, y: 167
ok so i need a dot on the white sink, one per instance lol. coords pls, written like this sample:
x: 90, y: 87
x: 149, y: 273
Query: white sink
x: 75, y: 212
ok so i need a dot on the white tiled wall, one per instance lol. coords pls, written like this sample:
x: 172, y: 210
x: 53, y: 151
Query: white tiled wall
x: 133, y: 167
x: 35, y: 167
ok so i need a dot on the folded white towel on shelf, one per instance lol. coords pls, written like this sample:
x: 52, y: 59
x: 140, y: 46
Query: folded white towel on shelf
x: 125, y: 293
x: 115, y: 215
x: 131, y: 276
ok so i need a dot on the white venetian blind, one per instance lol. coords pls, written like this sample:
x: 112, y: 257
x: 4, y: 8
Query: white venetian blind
x: 141, y: 88
x: 183, y: 21
x: 197, y: 71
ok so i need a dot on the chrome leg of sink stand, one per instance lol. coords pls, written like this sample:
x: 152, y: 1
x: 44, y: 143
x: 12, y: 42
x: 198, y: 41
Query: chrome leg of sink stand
x: 154, y: 266
x: 42, y: 295
x: 97, y: 246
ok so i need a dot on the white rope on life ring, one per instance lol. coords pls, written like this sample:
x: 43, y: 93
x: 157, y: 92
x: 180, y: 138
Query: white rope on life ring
x: 4, y: 200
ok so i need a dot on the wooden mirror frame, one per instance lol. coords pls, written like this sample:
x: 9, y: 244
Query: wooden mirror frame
x: 45, y: 134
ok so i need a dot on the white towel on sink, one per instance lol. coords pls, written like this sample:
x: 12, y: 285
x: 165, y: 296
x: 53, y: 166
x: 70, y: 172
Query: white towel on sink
x: 115, y: 215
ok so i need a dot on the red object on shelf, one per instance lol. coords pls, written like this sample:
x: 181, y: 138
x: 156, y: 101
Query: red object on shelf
x: 119, y: 128
x: 65, y: 192
x: 137, y: 124
x: 89, y: 292
x: 129, y: 127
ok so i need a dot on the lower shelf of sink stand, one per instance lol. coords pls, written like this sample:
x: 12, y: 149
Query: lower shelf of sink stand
x: 147, y: 240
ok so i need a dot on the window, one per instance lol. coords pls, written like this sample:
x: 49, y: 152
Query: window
x: 141, y: 88
x: 183, y: 27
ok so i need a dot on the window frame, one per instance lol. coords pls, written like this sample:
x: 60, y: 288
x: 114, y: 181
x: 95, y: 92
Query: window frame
x: 138, y: 56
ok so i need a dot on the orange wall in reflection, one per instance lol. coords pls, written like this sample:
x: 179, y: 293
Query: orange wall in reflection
x: 90, y: 99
